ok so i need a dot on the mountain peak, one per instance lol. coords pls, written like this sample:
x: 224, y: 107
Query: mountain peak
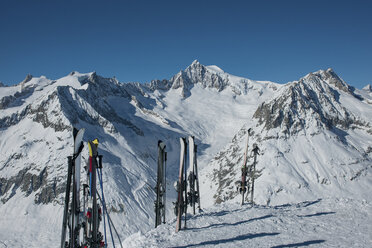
x: 332, y: 78
x: 27, y: 79
x: 368, y: 88
x: 195, y: 65
x: 330, y: 70
x: 197, y: 73
x: 195, y: 62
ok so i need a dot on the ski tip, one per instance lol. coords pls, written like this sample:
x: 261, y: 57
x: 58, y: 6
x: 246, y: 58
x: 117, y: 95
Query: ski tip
x: 161, y: 145
x: 74, y: 132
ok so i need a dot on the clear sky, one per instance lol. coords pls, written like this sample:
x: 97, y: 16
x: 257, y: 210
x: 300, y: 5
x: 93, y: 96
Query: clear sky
x: 139, y: 40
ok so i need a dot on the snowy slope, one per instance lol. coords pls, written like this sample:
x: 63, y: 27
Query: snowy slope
x: 315, y: 137
x: 314, y: 223
x: 37, y: 115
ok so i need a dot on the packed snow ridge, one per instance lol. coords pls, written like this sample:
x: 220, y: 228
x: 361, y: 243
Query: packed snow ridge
x: 314, y: 135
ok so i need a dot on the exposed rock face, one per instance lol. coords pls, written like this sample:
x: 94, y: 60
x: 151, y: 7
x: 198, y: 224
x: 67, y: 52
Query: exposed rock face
x: 310, y: 101
x: 197, y: 73
x: 303, y: 130
x: 27, y: 182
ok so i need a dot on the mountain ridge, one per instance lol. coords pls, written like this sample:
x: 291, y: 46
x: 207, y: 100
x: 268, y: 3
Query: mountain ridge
x: 37, y: 116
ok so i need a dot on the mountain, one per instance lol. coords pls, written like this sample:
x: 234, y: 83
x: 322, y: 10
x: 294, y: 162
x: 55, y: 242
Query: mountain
x: 315, y: 138
x: 314, y: 135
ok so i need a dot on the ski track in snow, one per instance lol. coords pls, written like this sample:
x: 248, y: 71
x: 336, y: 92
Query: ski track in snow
x: 317, y: 223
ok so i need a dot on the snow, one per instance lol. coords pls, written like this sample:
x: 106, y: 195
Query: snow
x: 215, y: 69
x: 326, y: 222
x: 296, y: 170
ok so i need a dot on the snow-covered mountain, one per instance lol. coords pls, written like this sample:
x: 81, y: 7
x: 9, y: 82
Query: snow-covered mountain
x: 315, y: 137
x: 315, y: 140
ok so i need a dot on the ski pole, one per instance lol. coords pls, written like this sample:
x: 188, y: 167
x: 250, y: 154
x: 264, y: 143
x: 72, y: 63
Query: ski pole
x: 113, y: 226
x: 100, y: 176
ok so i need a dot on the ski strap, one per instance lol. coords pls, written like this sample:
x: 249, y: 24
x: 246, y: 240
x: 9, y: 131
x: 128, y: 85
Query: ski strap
x: 78, y: 152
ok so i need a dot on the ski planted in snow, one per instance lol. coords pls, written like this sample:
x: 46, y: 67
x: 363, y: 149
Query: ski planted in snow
x: 93, y: 215
x: 160, y: 185
x: 193, y: 194
x: 181, y: 203
x: 243, y: 182
x: 71, y: 214
x: 256, y: 151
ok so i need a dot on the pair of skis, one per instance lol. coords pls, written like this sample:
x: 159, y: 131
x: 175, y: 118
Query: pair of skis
x: 193, y: 178
x: 244, y: 183
x: 71, y: 217
x: 93, y: 212
x: 256, y: 151
x: 160, y: 185
x: 181, y: 186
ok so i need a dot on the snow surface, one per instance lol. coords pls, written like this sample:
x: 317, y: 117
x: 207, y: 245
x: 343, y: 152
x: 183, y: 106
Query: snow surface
x: 329, y: 222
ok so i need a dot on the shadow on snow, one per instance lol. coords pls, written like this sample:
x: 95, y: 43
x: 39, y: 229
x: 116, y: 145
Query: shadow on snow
x: 223, y: 241
x: 306, y: 243
x: 316, y: 214
x: 232, y: 224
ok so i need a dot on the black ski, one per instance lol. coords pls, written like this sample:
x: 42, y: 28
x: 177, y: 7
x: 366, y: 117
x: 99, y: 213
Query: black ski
x: 256, y: 151
x: 72, y: 212
x: 180, y: 207
x: 160, y: 185
x: 243, y: 183
x: 194, y: 195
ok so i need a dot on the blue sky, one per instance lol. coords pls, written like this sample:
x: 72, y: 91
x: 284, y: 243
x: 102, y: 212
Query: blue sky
x: 141, y: 40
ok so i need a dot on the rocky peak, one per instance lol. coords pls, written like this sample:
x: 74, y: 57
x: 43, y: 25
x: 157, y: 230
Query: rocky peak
x: 368, y: 88
x: 311, y: 98
x: 332, y: 78
x: 197, y: 73
x: 27, y: 79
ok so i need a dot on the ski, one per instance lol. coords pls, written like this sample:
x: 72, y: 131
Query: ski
x: 160, y: 185
x: 67, y: 201
x: 180, y: 185
x: 197, y: 178
x: 73, y: 175
x: 93, y: 236
x: 256, y: 151
x: 243, y: 183
x: 193, y: 175
x: 78, y: 146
